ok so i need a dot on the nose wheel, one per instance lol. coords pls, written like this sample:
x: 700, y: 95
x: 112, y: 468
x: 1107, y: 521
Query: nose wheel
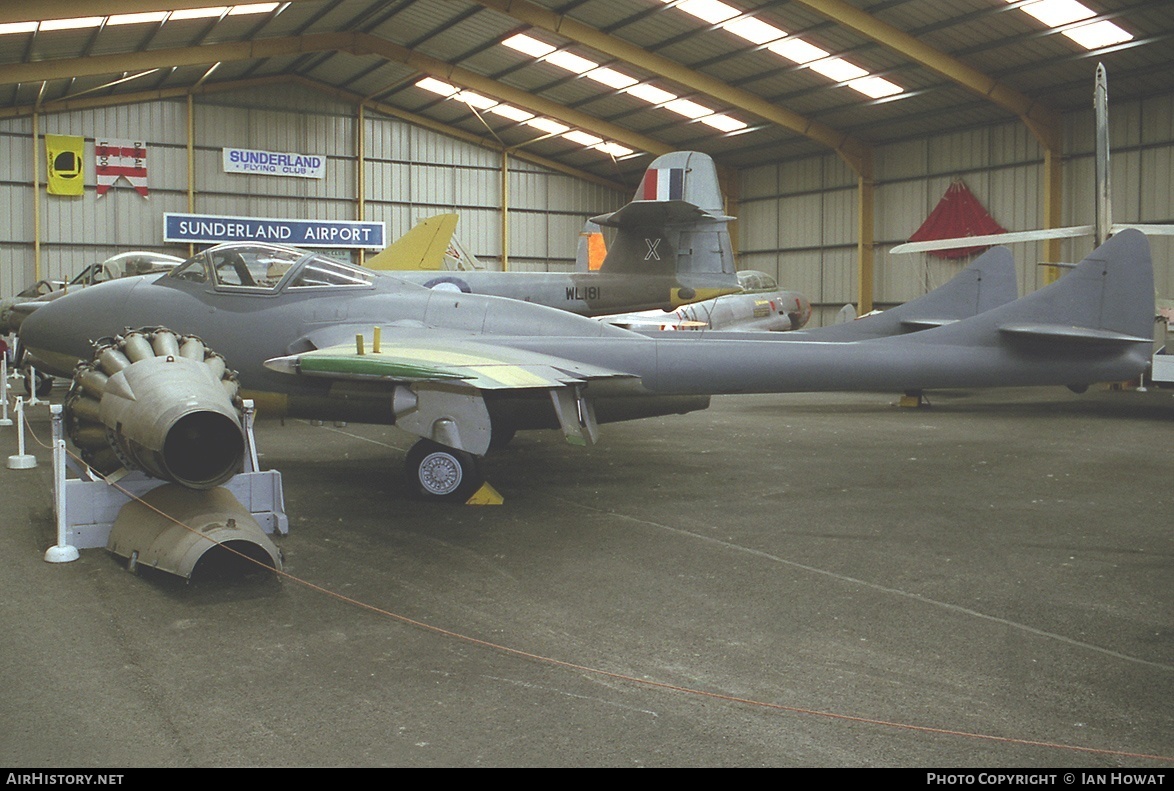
x: 437, y: 472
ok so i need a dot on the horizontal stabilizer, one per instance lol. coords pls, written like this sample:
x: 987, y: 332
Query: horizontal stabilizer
x: 1068, y: 333
x: 925, y: 324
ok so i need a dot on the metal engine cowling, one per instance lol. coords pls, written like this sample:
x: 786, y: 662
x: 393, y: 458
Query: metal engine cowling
x: 158, y: 402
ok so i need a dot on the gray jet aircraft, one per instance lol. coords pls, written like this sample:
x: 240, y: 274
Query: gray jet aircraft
x: 317, y: 338
x: 672, y: 247
x: 760, y: 307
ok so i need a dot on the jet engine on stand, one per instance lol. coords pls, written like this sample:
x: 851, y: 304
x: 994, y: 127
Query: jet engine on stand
x: 168, y: 406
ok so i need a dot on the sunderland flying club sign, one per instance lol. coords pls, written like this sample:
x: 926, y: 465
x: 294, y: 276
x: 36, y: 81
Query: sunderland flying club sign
x: 272, y: 163
x: 210, y: 228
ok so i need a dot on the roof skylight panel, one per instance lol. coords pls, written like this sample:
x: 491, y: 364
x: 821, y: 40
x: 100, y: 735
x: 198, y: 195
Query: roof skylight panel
x: 75, y: 23
x: 199, y: 13
x: 651, y: 94
x: 547, y: 125
x: 136, y: 19
x: 724, y: 123
x: 511, y: 112
x: 614, y: 149
x: 612, y: 78
x: 1098, y: 34
x: 796, y: 50
x: 114, y: 20
x: 583, y: 138
x: 1065, y: 13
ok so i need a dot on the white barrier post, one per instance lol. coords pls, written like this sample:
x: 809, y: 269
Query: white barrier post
x: 62, y: 552
x: 31, y: 381
x: 22, y: 460
x: 4, y: 420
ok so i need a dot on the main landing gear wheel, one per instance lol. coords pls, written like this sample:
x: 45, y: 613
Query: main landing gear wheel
x: 44, y: 384
x: 437, y: 472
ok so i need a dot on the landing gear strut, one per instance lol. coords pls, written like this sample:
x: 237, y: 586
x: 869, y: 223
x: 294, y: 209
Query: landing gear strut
x: 437, y: 472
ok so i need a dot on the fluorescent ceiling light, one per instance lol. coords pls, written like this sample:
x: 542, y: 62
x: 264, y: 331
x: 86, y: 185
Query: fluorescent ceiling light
x: 754, y: 30
x: 797, y: 50
x: 548, y: 125
x: 570, y: 62
x: 651, y: 94
x: 688, y: 108
x: 875, y: 87
x: 615, y: 149
x: 436, y: 86
x: 611, y: 78
x: 582, y: 138
x: 511, y: 112
x: 528, y: 46
x: 134, y: 19
x: 838, y: 69
x: 723, y: 123
x: 1054, y: 13
x: 1098, y: 34
x: 711, y: 11
x: 71, y: 24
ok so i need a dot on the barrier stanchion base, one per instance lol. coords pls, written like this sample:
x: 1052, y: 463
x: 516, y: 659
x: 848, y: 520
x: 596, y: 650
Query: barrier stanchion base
x: 61, y: 554
x: 19, y: 461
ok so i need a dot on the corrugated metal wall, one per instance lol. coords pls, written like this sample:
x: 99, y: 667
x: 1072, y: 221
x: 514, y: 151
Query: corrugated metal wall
x: 798, y: 219
x: 411, y: 173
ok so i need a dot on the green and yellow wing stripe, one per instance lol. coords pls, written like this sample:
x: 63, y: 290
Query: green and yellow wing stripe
x: 477, y: 365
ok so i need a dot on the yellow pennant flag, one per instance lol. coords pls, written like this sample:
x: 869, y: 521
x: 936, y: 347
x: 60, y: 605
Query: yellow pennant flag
x: 66, y: 175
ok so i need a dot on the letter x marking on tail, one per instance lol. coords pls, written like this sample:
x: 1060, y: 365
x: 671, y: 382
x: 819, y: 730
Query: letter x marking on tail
x: 652, y: 245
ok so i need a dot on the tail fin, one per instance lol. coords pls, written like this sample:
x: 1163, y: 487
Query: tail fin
x: 674, y: 225
x: 422, y: 247
x: 1107, y: 300
x: 987, y: 283
x: 592, y: 248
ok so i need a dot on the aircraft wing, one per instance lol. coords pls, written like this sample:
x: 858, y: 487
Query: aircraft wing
x: 439, y: 384
x: 472, y: 364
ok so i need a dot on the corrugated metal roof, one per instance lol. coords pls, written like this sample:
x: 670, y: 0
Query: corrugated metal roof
x: 462, y: 38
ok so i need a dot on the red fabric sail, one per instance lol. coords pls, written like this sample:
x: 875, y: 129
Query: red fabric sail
x: 957, y: 214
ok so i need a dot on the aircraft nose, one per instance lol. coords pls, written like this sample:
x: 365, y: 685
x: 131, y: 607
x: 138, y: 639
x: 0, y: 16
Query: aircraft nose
x: 59, y: 333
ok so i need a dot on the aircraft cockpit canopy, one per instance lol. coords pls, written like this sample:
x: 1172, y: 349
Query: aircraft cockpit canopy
x: 260, y: 267
x: 752, y: 280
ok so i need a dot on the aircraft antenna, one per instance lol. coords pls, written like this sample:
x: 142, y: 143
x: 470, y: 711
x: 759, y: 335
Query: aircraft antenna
x: 1104, y: 211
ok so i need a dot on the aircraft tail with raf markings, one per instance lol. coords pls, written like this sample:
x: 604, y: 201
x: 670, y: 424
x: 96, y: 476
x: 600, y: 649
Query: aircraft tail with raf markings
x: 675, y: 223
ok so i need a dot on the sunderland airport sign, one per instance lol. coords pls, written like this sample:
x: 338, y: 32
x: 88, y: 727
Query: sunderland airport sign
x: 213, y: 229
x: 273, y: 163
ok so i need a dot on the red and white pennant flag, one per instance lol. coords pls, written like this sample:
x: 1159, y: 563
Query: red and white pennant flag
x: 121, y: 159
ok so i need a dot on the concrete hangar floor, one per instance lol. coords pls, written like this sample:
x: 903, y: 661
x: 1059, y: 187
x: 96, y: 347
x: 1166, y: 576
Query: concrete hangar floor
x: 808, y: 580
